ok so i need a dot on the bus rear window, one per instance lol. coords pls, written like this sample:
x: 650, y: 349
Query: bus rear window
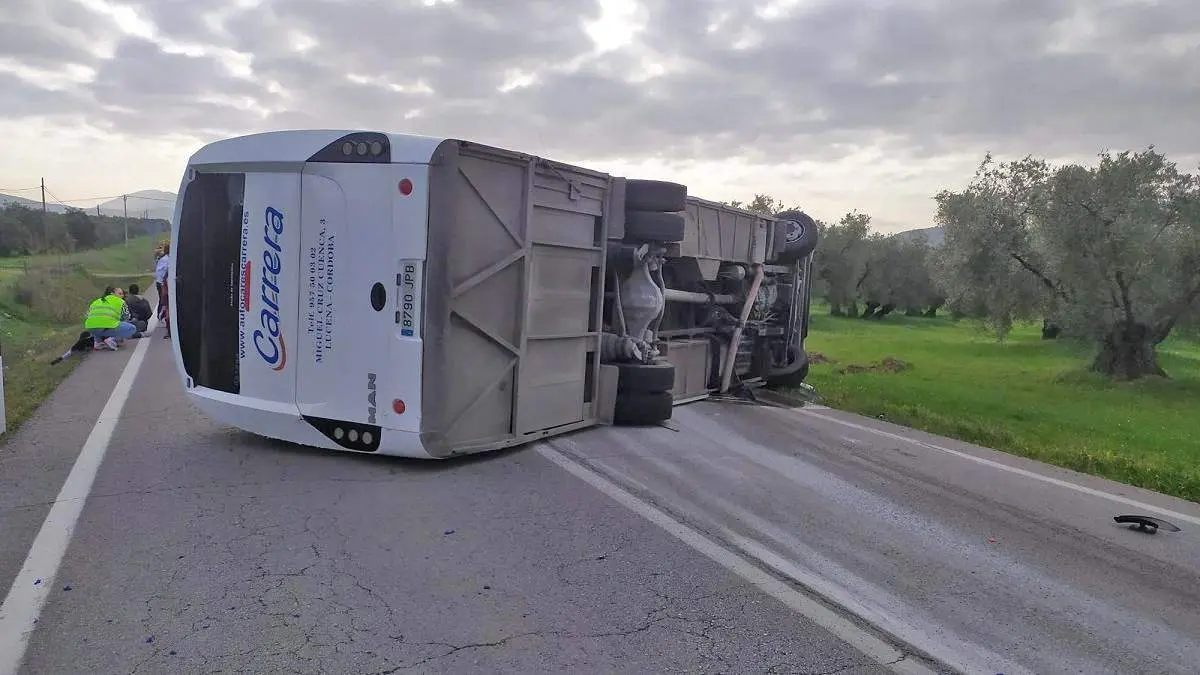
x: 206, y: 258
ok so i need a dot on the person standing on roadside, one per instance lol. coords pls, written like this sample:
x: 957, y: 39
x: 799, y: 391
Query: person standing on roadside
x: 160, y: 279
x: 160, y: 273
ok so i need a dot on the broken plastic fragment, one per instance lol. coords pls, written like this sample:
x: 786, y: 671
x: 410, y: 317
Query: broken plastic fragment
x: 67, y: 587
x: 448, y: 532
x: 37, y: 582
x: 149, y: 639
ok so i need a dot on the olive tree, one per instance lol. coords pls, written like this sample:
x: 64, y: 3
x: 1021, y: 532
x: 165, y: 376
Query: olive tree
x: 897, y: 277
x: 1111, y: 251
x: 841, y: 261
x: 764, y: 204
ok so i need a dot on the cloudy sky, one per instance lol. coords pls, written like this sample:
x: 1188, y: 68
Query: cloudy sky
x: 834, y: 104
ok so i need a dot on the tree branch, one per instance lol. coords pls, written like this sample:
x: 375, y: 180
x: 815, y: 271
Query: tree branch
x: 1046, y: 281
x: 1163, y: 329
x: 1096, y: 214
x: 866, y: 273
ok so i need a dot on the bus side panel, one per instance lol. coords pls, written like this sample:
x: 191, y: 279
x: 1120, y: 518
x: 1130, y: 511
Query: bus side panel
x: 513, y: 290
x: 270, y: 276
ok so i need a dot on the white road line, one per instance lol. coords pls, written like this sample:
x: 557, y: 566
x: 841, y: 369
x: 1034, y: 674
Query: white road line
x: 867, y: 643
x: 24, y: 602
x: 1165, y: 512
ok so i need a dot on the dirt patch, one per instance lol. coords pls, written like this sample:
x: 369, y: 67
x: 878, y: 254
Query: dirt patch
x: 816, y: 358
x: 889, y: 364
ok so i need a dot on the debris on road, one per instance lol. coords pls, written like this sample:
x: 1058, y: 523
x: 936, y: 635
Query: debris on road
x: 1147, y: 524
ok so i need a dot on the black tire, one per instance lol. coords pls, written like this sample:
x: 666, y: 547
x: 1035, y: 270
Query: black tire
x: 793, y: 378
x: 801, y: 236
x: 655, y: 195
x: 643, y: 408
x: 645, y: 378
x: 654, y: 226
x: 781, y: 230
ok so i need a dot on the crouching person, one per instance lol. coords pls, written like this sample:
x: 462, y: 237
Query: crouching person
x: 139, y: 308
x: 104, y: 321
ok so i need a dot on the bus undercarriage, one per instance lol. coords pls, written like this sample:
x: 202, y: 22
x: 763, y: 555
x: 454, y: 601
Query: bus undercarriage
x: 702, y: 298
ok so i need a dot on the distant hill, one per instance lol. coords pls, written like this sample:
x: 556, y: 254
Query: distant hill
x: 935, y: 236
x: 6, y: 200
x: 142, y: 204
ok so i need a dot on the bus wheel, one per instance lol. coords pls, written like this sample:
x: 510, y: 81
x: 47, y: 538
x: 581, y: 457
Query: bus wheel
x: 792, y: 375
x: 645, y: 377
x: 655, y: 195
x: 800, y: 236
x: 643, y: 408
x: 654, y: 226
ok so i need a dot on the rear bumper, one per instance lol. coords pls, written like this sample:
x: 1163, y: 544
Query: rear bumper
x: 283, y: 422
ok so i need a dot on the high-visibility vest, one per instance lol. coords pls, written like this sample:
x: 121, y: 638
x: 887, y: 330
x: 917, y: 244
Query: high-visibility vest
x: 104, y: 313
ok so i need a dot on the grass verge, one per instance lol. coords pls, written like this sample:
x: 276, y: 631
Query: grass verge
x: 1027, y: 396
x: 42, y: 303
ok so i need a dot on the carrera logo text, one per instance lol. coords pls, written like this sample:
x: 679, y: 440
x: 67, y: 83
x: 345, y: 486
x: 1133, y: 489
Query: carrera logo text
x: 268, y: 339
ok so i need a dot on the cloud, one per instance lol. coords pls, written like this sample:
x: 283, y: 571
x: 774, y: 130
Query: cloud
x: 19, y: 99
x: 903, y: 87
x: 52, y: 33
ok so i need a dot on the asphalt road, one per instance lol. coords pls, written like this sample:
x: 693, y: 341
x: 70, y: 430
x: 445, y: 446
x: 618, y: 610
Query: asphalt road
x: 698, y: 549
x: 202, y: 549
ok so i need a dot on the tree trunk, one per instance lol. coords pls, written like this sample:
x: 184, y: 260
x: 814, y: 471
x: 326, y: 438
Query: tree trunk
x: 937, y: 304
x: 835, y: 309
x: 853, y: 310
x: 1128, y: 353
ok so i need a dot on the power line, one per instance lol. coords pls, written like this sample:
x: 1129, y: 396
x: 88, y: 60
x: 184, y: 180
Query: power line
x: 74, y: 200
x: 89, y: 199
x: 92, y: 199
x: 64, y: 202
x: 56, y: 199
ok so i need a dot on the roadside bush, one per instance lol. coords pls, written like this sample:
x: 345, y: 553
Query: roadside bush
x: 60, y: 295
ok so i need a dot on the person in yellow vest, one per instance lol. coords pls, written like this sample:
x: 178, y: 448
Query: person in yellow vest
x: 105, y: 320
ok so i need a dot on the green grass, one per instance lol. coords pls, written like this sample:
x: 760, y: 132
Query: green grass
x: 1028, y: 396
x: 136, y: 258
x: 42, y: 303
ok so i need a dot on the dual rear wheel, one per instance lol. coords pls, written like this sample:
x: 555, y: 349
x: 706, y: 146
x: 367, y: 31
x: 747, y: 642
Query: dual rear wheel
x: 644, y: 393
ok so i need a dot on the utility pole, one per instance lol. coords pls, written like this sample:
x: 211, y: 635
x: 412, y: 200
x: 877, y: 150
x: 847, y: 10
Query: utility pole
x: 125, y: 203
x: 45, y: 227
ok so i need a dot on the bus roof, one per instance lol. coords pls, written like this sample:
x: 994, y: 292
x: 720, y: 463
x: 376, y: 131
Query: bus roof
x: 298, y: 145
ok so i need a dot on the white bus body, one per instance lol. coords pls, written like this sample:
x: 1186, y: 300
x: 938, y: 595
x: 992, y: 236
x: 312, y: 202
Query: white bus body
x: 427, y: 297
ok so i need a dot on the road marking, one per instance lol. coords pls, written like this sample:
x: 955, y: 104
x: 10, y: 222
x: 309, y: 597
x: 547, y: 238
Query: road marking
x: 24, y: 602
x: 803, y: 604
x: 1168, y: 513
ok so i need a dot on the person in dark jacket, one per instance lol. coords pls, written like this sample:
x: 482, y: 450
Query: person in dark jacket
x: 139, y: 308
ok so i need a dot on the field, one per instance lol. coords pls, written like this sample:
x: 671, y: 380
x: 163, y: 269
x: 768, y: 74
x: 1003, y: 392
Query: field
x: 42, y: 303
x: 1027, y: 396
